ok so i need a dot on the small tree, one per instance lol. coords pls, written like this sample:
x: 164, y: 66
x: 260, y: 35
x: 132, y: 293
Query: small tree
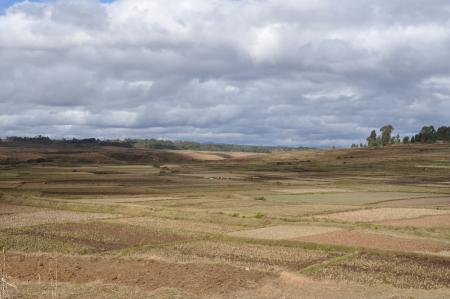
x: 406, y: 140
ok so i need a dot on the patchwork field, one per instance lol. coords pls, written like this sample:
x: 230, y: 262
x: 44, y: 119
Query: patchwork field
x: 106, y: 222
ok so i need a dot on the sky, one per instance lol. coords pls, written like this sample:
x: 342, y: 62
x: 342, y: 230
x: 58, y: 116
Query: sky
x: 268, y: 72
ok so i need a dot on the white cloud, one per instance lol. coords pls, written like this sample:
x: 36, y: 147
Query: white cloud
x: 289, y: 72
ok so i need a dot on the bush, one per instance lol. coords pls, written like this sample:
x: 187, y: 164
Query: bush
x: 260, y: 198
x: 260, y: 215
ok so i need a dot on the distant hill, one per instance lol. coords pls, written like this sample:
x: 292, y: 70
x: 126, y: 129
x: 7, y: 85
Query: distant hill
x: 197, y: 146
x: 152, y: 143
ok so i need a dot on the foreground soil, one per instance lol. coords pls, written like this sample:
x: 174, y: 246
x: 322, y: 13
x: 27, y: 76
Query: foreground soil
x: 204, y: 279
x: 294, y: 286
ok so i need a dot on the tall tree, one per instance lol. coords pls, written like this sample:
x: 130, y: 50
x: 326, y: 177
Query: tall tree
x: 427, y: 135
x: 386, y: 132
x: 372, y: 139
x: 443, y: 133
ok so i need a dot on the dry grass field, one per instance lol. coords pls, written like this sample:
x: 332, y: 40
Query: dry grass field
x: 106, y: 222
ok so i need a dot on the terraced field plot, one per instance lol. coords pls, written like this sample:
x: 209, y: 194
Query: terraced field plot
x: 178, y: 225
x: 276, y: 210
x: 266, y: 257
x: 47, y: 216
x: 400, y: 271
x: 377, y: 241
x: 98, y: 236
x: 311, y: 191
x: 382, y: 214
x: 345, y: 198
x: 283, y: 232
x: 436, y: 201
x: 426, y: 221
x: 197, y: 279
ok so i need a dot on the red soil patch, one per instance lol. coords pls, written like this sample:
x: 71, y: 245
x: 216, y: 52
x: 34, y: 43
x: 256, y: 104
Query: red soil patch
x: 197, y: 278
x: 429, y: 221
x: 377, y: 241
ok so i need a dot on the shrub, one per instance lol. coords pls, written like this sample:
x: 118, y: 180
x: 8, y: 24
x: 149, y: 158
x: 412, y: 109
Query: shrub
x: 260, y: 215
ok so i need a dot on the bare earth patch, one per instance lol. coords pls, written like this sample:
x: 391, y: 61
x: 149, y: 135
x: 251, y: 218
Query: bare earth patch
x: 377, y: 241
x: 148, y: 275
x: 283, y: 232
x: 215, y: 156
x: 48, y: 216
x: 311, y: 190
x: 292, y: 285
x: 427, y: 221
x: 382, y: 214
x: 94, y: 290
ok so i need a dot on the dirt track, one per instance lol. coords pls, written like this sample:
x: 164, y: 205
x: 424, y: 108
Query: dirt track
x: 149, y: 275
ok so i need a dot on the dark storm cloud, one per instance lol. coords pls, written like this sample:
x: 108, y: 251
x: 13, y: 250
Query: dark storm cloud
x: 262, y: 72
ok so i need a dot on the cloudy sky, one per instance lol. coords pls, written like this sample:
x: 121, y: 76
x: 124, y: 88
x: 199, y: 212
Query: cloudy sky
x: 291, y: 72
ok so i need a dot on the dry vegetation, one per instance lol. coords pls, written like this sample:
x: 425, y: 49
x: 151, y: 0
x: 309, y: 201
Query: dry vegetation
x: 382, y: 214
x: 136, y: 223
x: 427, y: 221
x: 283, y: 232
x: 398, y: 270
x: 46, y: 216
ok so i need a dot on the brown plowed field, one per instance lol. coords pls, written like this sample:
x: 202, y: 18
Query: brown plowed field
x: 377, y: 241
x: 103, y: 236
x: 149, y: 275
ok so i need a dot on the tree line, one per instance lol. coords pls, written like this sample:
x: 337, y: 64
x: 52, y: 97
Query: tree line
x: 428, y: 134
x: 152, y: 143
